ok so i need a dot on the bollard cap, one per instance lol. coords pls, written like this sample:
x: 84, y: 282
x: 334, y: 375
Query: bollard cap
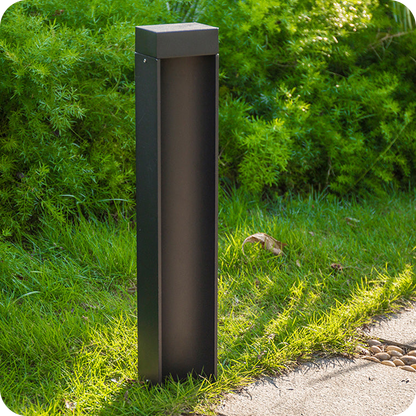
x: 177, y: 40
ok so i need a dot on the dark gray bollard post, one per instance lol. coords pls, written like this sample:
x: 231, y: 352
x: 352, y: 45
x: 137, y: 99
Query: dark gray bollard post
x: 177, y: 183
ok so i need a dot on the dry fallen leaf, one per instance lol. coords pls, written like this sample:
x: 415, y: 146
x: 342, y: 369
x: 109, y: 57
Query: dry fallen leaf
x: 260, y: 356
x: 267, y: 242
x: 352, y: 221
x: 337, y: 266
x: 132, y: 289
x: 70, y: 405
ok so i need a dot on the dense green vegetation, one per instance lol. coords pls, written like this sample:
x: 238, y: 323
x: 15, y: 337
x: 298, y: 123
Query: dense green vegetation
x: 312, y: 93
x: 330, y: 90
x: 68, y: 294
x: 317, y: 146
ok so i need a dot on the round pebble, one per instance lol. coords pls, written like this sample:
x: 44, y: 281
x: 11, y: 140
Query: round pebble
x: 374, y: 349
x: 388, y: 363
x: 391, y: 348
x: 382, y: 356
x: 394, y: 353
x: 408, y: 368
x: 371, y: 358
x: 372, y: 342
x: 408, y: 359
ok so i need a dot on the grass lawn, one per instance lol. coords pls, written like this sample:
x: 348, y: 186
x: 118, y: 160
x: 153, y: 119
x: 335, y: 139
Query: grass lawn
x: 68, y: 338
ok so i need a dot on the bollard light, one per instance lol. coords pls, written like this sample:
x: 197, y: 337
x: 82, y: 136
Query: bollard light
x: 176, y: 75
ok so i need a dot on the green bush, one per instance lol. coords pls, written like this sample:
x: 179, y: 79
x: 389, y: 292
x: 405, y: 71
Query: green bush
x: 312, y: 93
x: 338, y: 78
x: 67, y: 121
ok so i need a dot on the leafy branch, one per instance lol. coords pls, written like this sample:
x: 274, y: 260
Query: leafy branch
x: 377, y: 159
x: 387, y: 37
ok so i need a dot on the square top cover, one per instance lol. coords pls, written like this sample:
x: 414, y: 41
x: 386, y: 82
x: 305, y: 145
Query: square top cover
x: 177, y: 40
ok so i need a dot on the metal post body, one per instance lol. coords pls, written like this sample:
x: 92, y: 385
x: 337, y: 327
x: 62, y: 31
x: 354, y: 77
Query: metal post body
x: 177, y: 206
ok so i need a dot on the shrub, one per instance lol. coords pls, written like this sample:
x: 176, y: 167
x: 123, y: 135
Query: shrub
x: 67, y: 121
x: 338, y: 77
x: 312, y: 93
